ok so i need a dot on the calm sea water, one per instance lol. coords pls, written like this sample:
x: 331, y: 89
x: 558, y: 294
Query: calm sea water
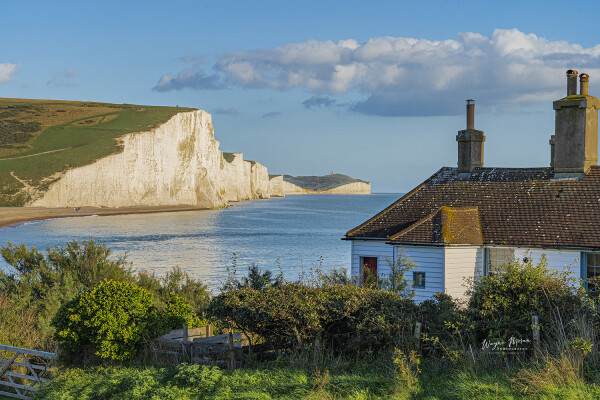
x: 301, y: 232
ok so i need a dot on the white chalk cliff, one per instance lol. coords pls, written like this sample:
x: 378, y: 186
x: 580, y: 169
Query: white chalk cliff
x: 349, y: 188
x: 177, y: 163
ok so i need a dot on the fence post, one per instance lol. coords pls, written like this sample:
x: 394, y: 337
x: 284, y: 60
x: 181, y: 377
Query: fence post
x: 186, y: 336
x: 231, y: 350
x: 535, y: 326
x: 417, y: 332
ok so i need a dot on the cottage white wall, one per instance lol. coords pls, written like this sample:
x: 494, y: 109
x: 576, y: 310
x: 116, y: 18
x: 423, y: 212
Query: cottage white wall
x: 558, y: 260
x: 462, y: 263
x: 371, y: 248
x: 427, y: 259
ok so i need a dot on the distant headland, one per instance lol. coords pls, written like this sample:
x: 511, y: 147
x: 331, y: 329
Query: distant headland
x: 327, y: 184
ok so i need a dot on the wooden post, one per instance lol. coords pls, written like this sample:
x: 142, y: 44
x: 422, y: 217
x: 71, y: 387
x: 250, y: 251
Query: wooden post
x: 186, y: 336
x: 231, y: 350
x: 209, y: 331
x: 418, y: 331
x: 535, y: 326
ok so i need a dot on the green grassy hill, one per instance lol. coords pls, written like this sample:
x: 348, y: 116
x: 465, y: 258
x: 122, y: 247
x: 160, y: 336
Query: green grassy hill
x: 319, y: 183
x: 39, y: 138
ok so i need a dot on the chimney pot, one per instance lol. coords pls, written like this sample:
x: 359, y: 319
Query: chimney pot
x: 470, y: 114
x: 583, y: 84
x: 571, y: 82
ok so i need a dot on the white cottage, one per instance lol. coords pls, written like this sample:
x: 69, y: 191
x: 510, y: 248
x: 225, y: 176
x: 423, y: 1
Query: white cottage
x: 469, y: 220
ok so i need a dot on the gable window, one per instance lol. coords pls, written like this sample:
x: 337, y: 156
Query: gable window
x: 419, y: 279
x: 591, y: 270
x: 369, y: 271
x: 496, y: 257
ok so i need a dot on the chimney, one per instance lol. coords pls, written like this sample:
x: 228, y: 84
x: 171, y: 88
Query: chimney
x: 470, y: 143
x: 576, y: 130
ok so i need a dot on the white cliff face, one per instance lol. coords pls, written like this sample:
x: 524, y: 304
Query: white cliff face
x: 350, y: 188
x: 177, y: 163
x: 290, y: 188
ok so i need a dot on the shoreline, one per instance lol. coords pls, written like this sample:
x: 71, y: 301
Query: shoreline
x: 17, y: 215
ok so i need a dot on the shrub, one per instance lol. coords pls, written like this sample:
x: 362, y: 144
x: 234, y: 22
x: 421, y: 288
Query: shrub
x: 37, y: 283
x: 507, y: 300
x: 176, y: 312
x: 178, y: 282
x: 295, y: 315
x: 114, y: 318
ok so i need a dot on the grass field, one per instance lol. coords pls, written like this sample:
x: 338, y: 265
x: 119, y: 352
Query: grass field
x: 368, y: 381
x: 39, y: 138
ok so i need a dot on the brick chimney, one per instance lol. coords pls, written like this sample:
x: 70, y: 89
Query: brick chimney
x: 576, y: 129
x: 470, y: 143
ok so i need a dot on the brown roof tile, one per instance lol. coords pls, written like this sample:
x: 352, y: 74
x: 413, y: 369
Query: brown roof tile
x: 516, y: 206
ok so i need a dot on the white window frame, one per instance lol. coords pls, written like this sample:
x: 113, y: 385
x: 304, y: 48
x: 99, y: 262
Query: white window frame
x: 492, y: 255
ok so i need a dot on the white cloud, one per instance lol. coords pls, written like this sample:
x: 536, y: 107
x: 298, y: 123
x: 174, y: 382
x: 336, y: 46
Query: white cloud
x: 7, y: 70
x: 411, y: 76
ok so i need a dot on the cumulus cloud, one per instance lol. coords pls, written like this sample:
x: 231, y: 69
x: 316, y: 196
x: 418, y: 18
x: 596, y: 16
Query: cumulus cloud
x: 226, y: 111
x: 63, y: 78
x: 411, y: 76
x: 7, y: 70
x: 272, y: 114
x: 318, y: 101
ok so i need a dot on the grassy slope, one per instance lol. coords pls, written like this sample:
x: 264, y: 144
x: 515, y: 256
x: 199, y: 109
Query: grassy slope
x: 81, y: 132
x: 320, y: 182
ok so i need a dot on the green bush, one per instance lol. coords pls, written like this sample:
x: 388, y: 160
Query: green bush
x: 36, y: 284
x: 502, y: 304
x: 178, y: 282
x: 39, y: 283
x: 298, y: 316
x: 115, y: 318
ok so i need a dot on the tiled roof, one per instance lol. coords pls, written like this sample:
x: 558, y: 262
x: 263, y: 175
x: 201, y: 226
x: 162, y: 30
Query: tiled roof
x: 515, y: 207
x: 448, y: 225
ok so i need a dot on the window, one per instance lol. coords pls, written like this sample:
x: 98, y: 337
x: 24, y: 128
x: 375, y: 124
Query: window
x: 369, y: 271
x: 591, y: 271
x: 496, y: 257
x: 419, y: 279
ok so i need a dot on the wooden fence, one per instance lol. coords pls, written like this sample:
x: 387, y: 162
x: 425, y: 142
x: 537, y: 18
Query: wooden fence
x: 199, y: 346
x: 16, y: 384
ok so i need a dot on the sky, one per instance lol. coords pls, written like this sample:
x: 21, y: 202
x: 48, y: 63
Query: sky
x: 375, y: 90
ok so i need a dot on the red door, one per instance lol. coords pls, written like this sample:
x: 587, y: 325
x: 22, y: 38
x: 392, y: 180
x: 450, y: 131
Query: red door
x: 369, y: 270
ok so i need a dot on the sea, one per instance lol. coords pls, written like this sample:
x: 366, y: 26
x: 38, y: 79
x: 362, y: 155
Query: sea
x: 292, y: 235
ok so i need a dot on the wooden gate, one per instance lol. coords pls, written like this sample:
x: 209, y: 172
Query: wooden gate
x: 19, y: 377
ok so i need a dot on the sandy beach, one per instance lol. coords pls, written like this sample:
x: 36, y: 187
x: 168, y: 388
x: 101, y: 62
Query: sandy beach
x: 15, y: 215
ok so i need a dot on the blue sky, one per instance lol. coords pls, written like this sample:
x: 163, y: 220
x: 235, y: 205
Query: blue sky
x: 372, y: 89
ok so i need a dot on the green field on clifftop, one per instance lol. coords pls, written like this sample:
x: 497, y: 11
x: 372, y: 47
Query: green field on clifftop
x: 39, y: 138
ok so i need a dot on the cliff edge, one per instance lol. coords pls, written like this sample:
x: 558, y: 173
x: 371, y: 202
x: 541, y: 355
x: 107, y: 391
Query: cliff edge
x: 175, y: 163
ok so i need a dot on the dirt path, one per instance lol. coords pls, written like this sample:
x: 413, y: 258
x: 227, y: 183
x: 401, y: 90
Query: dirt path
x: 36, y: 154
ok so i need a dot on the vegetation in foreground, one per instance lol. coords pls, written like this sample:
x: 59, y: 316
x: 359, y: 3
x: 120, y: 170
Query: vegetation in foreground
x: 41, y: 137
x: 320, y: 337
x: 280, y: 380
